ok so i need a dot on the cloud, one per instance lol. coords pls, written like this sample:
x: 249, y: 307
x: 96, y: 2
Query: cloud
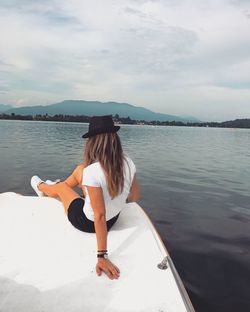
x: 247, y: 13
x: 239, y: 2
x: 20, y: 102
x: 164, y: 55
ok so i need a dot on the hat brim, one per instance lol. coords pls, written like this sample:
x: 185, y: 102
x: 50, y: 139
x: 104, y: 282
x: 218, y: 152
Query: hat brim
x: 96, y: 131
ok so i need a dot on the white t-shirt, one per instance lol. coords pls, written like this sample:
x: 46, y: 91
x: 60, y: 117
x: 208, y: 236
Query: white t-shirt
x: 93, y: 175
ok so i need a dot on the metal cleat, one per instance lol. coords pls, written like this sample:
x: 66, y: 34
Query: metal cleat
x: 164, y: 264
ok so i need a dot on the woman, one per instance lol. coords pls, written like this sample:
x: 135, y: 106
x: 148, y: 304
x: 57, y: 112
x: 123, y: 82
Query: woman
x: 107, y: 178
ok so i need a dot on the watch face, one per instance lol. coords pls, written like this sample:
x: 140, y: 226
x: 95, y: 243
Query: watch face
x: 104, y: 255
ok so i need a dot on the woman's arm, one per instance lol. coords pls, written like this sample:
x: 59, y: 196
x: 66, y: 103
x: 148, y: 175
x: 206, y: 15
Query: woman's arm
x: 134, y: 194
x: 75, y: 179
x: 98, y: 205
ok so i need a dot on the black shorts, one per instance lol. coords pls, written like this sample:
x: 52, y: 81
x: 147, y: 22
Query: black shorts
x: 79, y: 220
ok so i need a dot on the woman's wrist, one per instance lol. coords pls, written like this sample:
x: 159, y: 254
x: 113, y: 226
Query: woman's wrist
x: 102, y: 254
x: 102, y: 258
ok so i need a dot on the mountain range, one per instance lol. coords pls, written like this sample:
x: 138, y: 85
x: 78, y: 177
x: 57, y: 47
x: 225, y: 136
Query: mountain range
x: 5, y: 107
x: 94, y: 108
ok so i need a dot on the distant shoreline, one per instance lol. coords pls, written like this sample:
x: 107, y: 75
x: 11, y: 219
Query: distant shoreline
x: 237, y: 123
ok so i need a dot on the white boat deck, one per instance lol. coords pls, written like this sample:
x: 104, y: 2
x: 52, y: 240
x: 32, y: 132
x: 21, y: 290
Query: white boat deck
x: 47, y: 265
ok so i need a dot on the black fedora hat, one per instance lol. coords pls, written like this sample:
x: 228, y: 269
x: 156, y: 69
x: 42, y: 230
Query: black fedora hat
x: 101, y: 124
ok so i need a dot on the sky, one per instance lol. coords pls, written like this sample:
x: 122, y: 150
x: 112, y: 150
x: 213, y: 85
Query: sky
x: 180, y: 57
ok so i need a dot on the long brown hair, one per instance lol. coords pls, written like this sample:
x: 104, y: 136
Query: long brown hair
x: 107, y: 149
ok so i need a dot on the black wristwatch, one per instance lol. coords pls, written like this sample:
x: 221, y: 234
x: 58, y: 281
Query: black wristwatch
x: 104, y: 255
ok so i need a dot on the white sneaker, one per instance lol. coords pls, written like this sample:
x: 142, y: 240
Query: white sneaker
x: 35, y: 181
x: 49, y: 182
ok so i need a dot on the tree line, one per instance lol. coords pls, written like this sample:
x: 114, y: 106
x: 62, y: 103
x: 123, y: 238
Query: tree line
x: 237, y: 123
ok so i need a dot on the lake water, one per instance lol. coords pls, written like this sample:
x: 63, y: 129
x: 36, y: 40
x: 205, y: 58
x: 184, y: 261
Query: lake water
x: 195, y: 185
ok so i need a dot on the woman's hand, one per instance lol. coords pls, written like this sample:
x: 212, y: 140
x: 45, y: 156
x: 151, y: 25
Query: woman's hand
x: 108, y: 267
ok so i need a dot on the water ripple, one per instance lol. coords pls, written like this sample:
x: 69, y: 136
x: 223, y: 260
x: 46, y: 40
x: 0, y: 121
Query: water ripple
x: 195, y: 186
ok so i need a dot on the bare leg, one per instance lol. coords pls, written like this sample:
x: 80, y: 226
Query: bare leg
x: 64, y: 190
x: 61, y: 190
